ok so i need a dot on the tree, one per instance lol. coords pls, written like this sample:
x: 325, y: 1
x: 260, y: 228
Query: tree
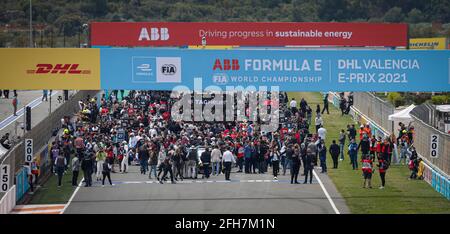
x: 101, y: 7
x: 332, y: 10
x: 415, y: 16
x: 394, y: 15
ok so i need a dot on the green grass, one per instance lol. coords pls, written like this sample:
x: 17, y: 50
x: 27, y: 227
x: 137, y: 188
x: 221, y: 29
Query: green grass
x: 400, y: 196
x: 49, y: 193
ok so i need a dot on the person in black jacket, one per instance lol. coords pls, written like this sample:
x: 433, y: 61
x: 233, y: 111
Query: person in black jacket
x: 167, y: 167
x: 288, y: 160
x: 335, y: 151
x: 87, y: 166
x: 106, y: 172
x: 206, y: 161
x: 309, y: 166
x: 296, y: 163
x: 364, y: 144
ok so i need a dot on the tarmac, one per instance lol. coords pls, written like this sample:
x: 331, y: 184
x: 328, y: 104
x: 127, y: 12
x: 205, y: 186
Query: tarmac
x: 134, y: 193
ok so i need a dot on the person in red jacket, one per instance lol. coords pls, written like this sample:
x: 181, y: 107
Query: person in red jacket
x: 367, y: 171
x: 382, y: 168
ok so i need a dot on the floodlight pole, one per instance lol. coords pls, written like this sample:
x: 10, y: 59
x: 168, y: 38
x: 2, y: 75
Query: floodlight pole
x: 31, y: 23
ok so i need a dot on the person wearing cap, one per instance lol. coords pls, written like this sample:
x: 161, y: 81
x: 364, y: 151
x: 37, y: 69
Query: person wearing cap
x: 362, y: 132
x: 364, y: 144
x: 228, y: 159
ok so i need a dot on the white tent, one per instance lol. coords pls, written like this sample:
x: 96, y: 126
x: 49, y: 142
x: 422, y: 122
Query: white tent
x: 443, y: 108
x: 402, y: 115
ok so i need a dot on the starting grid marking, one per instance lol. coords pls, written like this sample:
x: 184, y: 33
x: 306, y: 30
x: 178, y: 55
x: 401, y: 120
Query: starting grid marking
x: 203, y: 182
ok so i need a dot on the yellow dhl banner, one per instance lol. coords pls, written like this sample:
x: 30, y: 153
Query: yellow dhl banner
x: 436, y: 43
x: 50, y: 68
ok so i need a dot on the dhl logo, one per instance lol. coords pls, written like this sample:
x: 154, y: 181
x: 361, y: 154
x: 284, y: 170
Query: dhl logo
x: 59, y: 68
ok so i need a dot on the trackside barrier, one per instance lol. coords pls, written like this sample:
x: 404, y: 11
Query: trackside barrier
x: 435, y: 177
x: 21, y: 183
x: 358, y: 116
x: 8, y: 201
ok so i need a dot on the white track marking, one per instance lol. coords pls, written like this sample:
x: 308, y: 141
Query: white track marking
x: 326, y: 193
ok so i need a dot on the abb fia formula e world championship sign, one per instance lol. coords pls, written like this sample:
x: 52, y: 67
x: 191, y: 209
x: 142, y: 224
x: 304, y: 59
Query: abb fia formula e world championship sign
x: 131, y: 34
x: 290, y: 70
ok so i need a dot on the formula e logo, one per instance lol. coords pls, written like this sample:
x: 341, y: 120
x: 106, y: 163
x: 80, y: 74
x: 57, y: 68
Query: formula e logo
x: 156, y: 34
x: 145, y: 67
x: 228, y: 64
x: 168, y: 69
x: 45, y: 68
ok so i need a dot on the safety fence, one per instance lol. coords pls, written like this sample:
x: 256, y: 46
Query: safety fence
x: 422, y: 142
x: 432, y: 174
x: 359, y: 117
x: 8, y: 201
x: 374, y: 108
x: 41, y: 133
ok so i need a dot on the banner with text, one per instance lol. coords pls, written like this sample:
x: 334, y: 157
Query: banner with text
x: 38, y: 68
x: 291, y: 70
x: 131, y: 34
x: 435, y: 43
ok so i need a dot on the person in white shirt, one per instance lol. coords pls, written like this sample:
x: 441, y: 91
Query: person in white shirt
x: 124, y: 163
x: 228, y: 159
x: 322, y: 132
x: 293, y: 106
x: 132, y: 141
x: 216, y: 154
x: 318, y: 122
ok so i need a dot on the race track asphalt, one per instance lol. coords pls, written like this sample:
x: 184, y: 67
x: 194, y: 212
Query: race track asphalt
x: 134, y: 193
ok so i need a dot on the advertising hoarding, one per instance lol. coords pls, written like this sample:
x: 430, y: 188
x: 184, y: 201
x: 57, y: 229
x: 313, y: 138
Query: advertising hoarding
x: 137, y: 34
x: 45, y: 68
x: 291, y: 70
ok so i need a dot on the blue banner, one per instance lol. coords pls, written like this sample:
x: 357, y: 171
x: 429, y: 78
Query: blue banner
x: 291, y: 70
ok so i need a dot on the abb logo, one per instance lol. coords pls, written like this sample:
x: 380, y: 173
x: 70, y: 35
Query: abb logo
x: 155, y: 34
x: 228, y: 64
x: 59, y: 68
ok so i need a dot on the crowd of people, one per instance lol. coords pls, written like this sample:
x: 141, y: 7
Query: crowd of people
x: 111, y: 134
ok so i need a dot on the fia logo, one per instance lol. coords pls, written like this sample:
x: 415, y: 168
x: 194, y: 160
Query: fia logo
x: 168, y: 69
x: 220, y: 78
